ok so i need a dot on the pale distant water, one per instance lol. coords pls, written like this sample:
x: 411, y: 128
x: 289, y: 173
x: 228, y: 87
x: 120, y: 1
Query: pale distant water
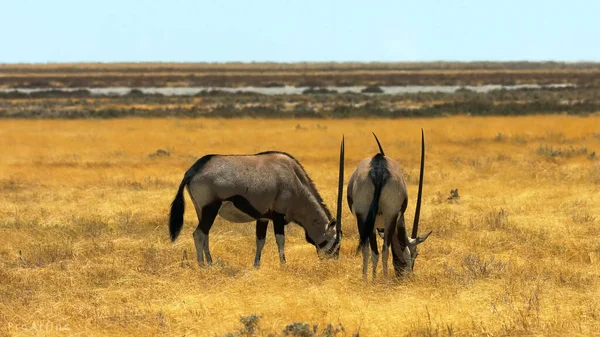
x: 187, y: 91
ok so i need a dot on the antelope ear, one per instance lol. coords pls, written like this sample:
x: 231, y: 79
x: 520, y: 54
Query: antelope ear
x: 421, y: 239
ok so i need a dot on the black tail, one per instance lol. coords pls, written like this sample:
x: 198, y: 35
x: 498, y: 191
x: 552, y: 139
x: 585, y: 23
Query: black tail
x: 178, y: 209
x: 178, y: 205
x: 378, y: 144
x: 379, y: 175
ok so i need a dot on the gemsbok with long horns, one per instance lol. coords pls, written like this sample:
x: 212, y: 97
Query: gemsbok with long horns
x: 265, y: 186
x: 378, y: 198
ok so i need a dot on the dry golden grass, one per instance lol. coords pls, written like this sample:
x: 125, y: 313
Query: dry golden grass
x: 85, y: 247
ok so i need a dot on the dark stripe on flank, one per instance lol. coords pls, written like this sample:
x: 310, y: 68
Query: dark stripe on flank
x: 244, y: 205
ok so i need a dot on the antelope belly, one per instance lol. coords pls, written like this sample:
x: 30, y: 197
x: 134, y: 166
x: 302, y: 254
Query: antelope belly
x: 232, y: 214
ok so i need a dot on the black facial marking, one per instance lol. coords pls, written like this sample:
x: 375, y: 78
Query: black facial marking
x: 308, y: 239
x: 323, y: 244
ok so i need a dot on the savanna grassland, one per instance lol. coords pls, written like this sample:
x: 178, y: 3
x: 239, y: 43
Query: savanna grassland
x: 85, y: 246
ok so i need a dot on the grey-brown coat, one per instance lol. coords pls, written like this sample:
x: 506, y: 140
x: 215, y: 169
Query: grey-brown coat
x: 378, y: 198
x: 260, y: 187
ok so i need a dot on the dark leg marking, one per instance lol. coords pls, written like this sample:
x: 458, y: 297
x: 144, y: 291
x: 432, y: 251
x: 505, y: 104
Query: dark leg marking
x: 373, y: 242
x: 360, y: 222
x: 261, y: 234
x: 209, y: 213
x: 387, y: 243
x: 279, y: 229
x: 374, y: 252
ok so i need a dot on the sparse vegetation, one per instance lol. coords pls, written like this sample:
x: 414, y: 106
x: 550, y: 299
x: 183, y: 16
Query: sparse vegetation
x: 251, y: 327
x: 372, y: 89
x: 476, y: 266
x: 318, y: 103
x: 551, y: 152
x: 311, y: 74
x: 313, y: 90
x: 85, y: 246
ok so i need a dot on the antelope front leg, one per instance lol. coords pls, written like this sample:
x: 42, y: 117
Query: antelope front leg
x: 365, y: 253
x: 385, y: 254
x: 279, y: 228
x: 365, y: 249
x: 261, y: 234
x: 207, y: 251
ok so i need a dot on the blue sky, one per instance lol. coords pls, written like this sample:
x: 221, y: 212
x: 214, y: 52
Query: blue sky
x: 289, y: 31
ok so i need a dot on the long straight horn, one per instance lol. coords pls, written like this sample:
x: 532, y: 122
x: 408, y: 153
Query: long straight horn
x: 340, y: 190
x: 415, y: 228
x: 378, y: 144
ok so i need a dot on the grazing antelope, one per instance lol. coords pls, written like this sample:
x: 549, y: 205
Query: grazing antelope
x: 378, y: 198
x: 265, y: 186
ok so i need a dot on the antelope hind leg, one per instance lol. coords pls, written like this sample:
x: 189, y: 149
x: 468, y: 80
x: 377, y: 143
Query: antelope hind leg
x: 374, y: 253
x: 209, y: 213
